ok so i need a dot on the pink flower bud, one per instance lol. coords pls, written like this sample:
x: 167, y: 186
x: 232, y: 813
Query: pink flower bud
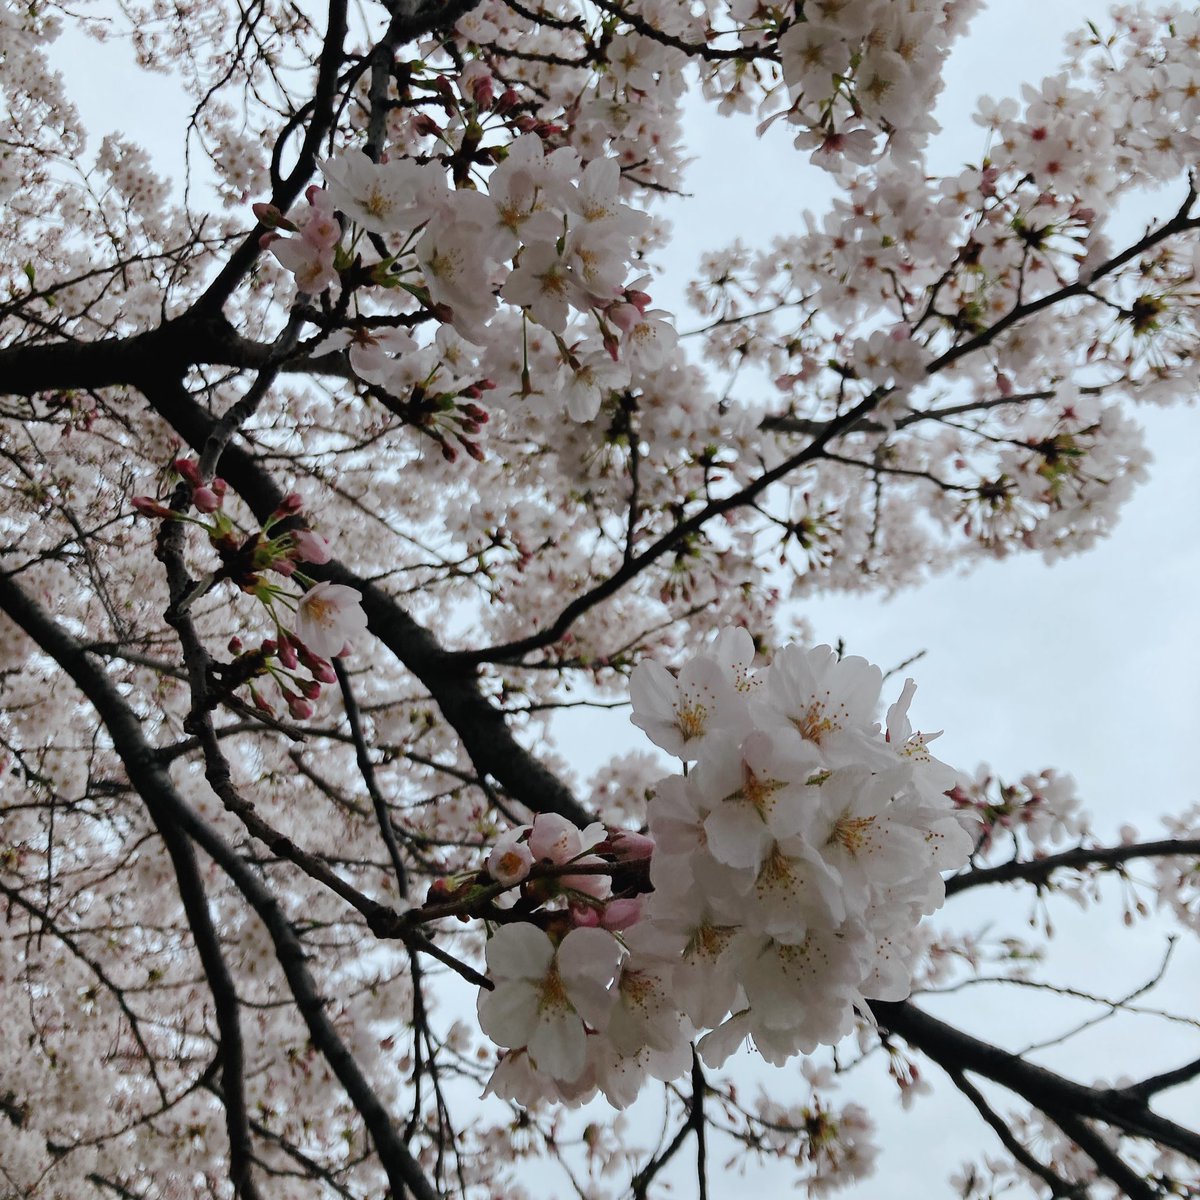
x: 631, y: 847
x: 260, y: 703
x: 621, y: 914
x: 151, y: 508
x: 269, y: 216
x: 206, y: 500
x: 310, y: 547
x: 319, y: 668
x: 423, y: 125
x: 509, y: 99
x: 235, y: 645
x: 309, y: 689
x: 300, y: 708
x: 287, y: 653
x: 189, y: 469
x: 639, y: 300
x: 483, y: 91
x: 292, y: 505
x: 284, y: 566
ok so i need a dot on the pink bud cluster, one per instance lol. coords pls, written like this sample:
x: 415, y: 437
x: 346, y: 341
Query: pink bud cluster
x: 320, y: 624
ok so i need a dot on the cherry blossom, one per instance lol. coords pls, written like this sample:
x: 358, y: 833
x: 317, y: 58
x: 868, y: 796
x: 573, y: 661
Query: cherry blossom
x: 329, y: 617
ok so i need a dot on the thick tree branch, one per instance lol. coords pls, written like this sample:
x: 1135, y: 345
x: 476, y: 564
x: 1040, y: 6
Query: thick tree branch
x: 1038, y: 871
x: 1042, y: 1088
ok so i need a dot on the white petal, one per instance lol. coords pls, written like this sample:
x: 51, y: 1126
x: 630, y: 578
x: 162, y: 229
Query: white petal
x: 519, y: 951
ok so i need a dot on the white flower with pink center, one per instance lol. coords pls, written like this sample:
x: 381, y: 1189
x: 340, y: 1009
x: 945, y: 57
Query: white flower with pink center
x: 856, y: 832
x: 827, y: 701
x: 328, y: 619
x: 511, y: 859
x: 384, y: 197
x: 546, y: 996
x: 680, y: 712
x: 743, y: 786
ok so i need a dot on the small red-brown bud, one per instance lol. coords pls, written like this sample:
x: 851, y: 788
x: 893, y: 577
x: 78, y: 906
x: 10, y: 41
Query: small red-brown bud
x: 149, y: 507
x: 287, y: 653
x: 423, y: 125
x: 189, y: 469
x: 291, y: 506
x: 269, y: 216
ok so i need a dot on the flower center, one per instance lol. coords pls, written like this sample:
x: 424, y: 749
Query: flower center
x: 553, y: 996
x: 813, y: 725
x: 690, y: 720
x: 852, y: 832
x: 378, y: 203
x: 758, y: 791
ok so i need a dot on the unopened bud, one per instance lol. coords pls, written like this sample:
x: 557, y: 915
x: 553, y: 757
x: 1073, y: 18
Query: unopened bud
x: 268, y: 215
x: 293, y: 504
x: 151, y: 508
x: 287, y: 653
x: 319, y: 668
x: 206, y: 500
x: 482, y: 91
x: 639, y: 300
x: 631, y: 847
x: 310, y: 547
x: 189, y: 469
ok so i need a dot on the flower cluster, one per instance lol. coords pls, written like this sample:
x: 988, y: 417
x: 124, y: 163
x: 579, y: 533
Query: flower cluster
x: 787, y: 868
x: 856, y: 69
x: 550, y: 236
